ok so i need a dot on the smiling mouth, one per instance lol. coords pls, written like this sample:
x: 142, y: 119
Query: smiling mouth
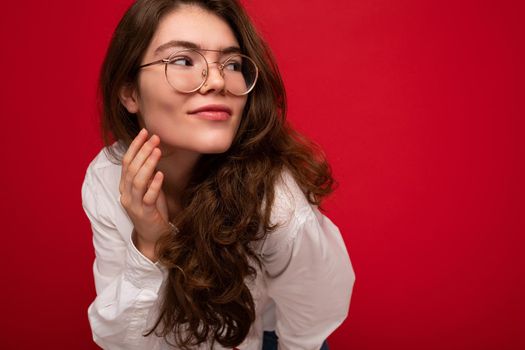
x: 212, y: 115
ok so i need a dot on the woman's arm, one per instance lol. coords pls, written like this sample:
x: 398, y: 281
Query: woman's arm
x: 310, y: 278
x: 127, y: 283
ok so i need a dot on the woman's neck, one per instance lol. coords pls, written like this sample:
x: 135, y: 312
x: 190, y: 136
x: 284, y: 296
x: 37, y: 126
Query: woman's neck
x: 177, y: 166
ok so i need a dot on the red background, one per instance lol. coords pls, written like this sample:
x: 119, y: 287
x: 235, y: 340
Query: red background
x: 419, y: 106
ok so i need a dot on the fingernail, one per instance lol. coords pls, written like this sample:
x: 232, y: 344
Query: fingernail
x: 143, y: 132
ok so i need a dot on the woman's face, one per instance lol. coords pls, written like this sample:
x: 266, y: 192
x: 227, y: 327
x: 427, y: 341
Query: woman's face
x: 166, y: 112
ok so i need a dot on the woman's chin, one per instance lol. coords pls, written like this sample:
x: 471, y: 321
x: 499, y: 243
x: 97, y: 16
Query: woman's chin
x: 205, y: 148
x: 215, y: 149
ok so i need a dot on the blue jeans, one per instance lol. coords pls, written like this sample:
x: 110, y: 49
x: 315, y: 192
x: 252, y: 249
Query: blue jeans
x: 270, y: 341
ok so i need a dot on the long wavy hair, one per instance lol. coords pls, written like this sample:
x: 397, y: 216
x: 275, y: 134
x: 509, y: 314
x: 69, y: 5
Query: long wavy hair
x: 228, y: 200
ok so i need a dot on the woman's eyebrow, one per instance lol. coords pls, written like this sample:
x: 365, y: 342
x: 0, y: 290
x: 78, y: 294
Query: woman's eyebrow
x: 190, y: 45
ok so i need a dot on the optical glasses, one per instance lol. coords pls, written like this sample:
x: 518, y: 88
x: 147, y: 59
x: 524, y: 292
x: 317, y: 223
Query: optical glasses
x: 187, y: 70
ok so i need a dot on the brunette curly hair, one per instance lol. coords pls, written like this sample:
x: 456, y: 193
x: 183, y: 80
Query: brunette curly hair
x: 228, y: 201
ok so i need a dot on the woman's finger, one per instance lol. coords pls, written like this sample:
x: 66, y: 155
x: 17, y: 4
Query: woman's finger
x: 131, y: 152
x: 154, y: 189
x: 138, y: 162
x: 143, y: 177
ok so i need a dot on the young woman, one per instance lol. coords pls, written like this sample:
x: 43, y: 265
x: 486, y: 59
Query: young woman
x: 204, y: 204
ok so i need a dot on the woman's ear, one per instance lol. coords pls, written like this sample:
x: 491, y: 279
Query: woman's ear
x: 129, y: 98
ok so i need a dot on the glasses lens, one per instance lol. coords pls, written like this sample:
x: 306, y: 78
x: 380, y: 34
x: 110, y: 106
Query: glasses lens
x: 240, y: 74
x: 186, y: 70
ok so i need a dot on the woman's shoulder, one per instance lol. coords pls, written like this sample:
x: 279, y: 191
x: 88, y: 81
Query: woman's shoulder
x: 290, y: 210
x: 103, y: 172
x: 290, y: 205
x: 107, y: 157
x: 101, y: 195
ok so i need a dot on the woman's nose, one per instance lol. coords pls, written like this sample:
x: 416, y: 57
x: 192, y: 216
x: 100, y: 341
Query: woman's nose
x: 215, y: 79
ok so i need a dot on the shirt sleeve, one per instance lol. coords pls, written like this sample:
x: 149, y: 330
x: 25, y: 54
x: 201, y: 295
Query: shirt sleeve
x: 310, y: 278
x: 127, y: 283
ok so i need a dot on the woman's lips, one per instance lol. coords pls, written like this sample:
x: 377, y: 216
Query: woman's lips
x: 212, y: 115
x: 212, y: 111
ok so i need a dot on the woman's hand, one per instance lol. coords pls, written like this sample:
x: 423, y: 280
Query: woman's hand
x: 141, y: 192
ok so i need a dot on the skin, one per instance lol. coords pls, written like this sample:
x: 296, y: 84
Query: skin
x: 161, y: 157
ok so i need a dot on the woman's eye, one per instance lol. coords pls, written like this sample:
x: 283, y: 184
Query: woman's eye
x: 234, y: 66
x: 182, y: 61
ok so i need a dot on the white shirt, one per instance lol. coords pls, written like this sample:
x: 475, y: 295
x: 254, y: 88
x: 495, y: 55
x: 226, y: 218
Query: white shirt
x: 303, y: 292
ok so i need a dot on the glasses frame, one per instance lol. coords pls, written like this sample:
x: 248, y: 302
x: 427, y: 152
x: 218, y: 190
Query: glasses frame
x: 220, y: 66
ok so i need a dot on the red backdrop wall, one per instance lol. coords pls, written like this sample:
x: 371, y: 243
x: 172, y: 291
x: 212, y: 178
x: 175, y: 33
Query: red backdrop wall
x: 419, y: 106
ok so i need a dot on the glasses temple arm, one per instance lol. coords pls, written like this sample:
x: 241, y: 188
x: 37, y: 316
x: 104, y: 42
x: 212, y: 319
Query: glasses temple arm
x: 164, y: 60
